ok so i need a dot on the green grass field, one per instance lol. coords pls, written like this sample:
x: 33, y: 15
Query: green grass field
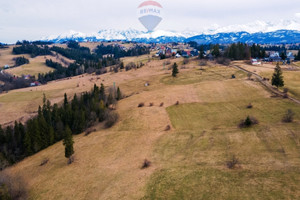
x: 187, y: 162
x: 207, y: 135
x: 206, y: 74
x: 30, y: 69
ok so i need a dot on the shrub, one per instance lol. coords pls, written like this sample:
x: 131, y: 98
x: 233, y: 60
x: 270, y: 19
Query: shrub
x: 250, y: 106
x: 203, y: 63
x: 44, y: 161
x: 168, y: 128
x: 12, y: 187
x: 248, y: 122
x: 186, y: 61
x: 168, y: 62
x: 141, y: 105
x: 146, y: 164
x: 288, y: 117
x: 111, y: 119
x: 233, y: 76
x: 89, y: 131
x: 223, y: 61
x: 161, y: 104
x: 130, y: 66
x: 177, y: 103
x: 231, y: 164
x: 285, y: 90
x: 249, y: 75
x: 151, y: 104
x: 71, y: 160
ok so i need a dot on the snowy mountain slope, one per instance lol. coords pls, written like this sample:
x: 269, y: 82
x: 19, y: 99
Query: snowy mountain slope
x: 284, y: 31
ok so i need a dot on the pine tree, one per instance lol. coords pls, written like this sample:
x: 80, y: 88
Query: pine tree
x: 27, y: 144
x: 2, y: 136
x: 283, y: 56
x: 175, y: 70
x: 68, y: 142
x: 216, y: 51
x: 65, y: 101
x: 122, y: 65
x: 119, y: 94
x: 102, y: 92
x: 277, y: 78
x: 298, y: 56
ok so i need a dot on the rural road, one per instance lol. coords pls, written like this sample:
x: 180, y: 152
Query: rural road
x: 267, y: 84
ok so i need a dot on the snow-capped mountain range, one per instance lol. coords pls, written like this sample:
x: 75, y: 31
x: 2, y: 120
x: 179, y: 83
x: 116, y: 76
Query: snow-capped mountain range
x: 284, y: 31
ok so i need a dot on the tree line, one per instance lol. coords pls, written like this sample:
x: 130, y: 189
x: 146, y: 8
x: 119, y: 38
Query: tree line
x: 21, y: 61
x: 12, y: 82
x: 118, y: 52
x: 52, y: 122
x: 242, y: 51
x: 32, y: 49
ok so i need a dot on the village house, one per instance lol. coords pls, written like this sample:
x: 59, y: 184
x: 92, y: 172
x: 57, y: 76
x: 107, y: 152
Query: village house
x: 35, y: 83
x: 255, y: 62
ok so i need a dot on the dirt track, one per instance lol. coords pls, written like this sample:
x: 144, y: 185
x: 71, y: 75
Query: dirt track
x: 267, y: 85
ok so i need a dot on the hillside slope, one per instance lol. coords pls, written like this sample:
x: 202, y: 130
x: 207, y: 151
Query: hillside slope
x: 189, y: 161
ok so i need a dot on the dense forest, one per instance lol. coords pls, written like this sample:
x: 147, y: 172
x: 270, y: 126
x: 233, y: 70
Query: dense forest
x: 34, y: 42
x: 32, y: 49
x: 118, y: 52
x: 19, y: 141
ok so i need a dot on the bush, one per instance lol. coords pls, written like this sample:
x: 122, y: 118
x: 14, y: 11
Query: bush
x: 151, y: 104
x: 223, y: 61
x: 71, y: 160
x: 141, y: 105
x: 288, y: 117
x: 111, y: 119
x: 177, y: 103
x: 203, y: 63
x: 44, y: 161
x: 89, y: 131
x: 12, y: 187
x: 231, y: 164
x: 249, y: 75
x: 186, y: 61
x: 248, y: 122
x: 168, y: 62
x: 250, y: 106
x: 161, y: 104
x: 130, y: 66
x: 285, y: 90
x: 146, y: 164
x: 168, y: 128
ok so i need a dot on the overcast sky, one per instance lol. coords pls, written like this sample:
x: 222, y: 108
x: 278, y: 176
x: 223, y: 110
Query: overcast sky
x: 33, y: 19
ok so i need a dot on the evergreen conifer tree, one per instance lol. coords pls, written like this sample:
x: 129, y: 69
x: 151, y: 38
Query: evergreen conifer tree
x: 119, y: 94
x: 68, y: 142
x: 277, y: 78
x: 175, y: 70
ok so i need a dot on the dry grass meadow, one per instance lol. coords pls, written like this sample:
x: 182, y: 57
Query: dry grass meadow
x: 188, y: 161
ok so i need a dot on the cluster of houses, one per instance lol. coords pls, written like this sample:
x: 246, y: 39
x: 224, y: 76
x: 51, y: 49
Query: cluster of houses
x: 176, y: 51
x: 275, y: 57
x: 25, y: 77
